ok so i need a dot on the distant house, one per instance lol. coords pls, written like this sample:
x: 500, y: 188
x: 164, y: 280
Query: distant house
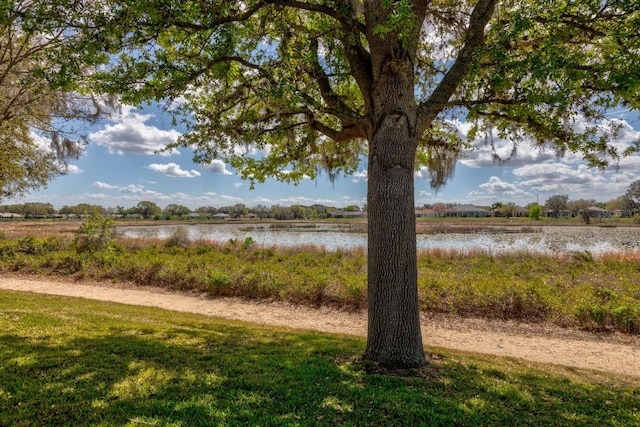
x: 348, y: 214
x: 623, y: 213
x: 560, y: 214
x: 466, y: 211
x: 521, y: 212
x: 596, y: 212
x: 220, y: 216
x: 426, y: 213
x: 9, y: 215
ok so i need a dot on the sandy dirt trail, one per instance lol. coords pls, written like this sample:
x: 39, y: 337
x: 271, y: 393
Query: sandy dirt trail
x: 546, y: 344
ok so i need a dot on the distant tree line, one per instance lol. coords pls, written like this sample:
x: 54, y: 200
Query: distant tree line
x: 627, y: 205
x: 150, y: 210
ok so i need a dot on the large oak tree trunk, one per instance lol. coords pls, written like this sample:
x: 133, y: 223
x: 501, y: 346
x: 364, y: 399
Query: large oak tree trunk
x: 394, y: 336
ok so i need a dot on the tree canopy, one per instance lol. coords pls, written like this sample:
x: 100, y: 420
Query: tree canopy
x: 176, y: 210
x: 38, y: 100
x: 295, y: 78
x: 557, y: 203
x: 148, y: 209
x: 291, y: 88
x: 633, y: 192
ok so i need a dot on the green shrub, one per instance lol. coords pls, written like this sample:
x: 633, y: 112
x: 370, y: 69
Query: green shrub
x: 535, y: 212
x: 606, y: 295
x: 218, y: 281
x: 180, y: 238
x: 148, y: 274
x: 247, y: 242
x: 585, y: 256
x: 62, y: 263
x: 7, y: 249
x: 627, y: 318
x: 109, y: 256
x: 95, y: 233
x: 354, y: 292
x: 30, y: 245
x: 55, y: 243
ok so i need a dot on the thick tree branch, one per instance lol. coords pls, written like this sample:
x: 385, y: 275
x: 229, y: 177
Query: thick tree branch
x: 359, y: 64
x: 219, y: 20
x: 193, y: 76
x: 346, y: 18
x: 350, y: 36
x: 474, y: 38
x: 334, y: 101
x: 483, y: 101
x: 347, y: 133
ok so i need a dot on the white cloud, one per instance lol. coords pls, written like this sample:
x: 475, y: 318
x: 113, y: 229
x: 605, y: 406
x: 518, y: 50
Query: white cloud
x: 554, y: 176
x: 503, y: 189
x: 173, y: 170
x: 629, y: 164
x: 132, y: 188
x: 295, y: 201
x: 627, y: 135
x: 104, y: 185
x: 263, y: 201
x: 44, y: 144
x: 360, y: 176
x: 73, y: 170
x: 217, y: 166
x: 422, y: 173
x: 132, y: 135
x: 525, y: 152
x: 231, y: 200
x: 140, y: 191
x: 41, y: 142
x: 528, y: 151
x: 238, y: 184
x: 179, y: 197
x: 578, y: 182
x: 220, y: 199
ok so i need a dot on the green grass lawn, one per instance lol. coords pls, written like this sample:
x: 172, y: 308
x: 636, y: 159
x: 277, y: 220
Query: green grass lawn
x: 66, y: 361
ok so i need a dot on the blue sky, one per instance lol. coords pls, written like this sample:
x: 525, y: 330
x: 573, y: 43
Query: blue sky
x: 120, y: 168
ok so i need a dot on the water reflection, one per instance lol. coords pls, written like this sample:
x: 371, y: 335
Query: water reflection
x: 552, y: 240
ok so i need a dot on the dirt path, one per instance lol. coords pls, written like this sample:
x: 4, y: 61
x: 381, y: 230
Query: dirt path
x: 610, y: 353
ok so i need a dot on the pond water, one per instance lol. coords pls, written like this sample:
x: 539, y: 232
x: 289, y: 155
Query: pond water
x: 552, y: 240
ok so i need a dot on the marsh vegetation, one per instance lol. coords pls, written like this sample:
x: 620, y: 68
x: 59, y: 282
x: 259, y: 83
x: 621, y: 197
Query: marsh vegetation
x: 593, y: 291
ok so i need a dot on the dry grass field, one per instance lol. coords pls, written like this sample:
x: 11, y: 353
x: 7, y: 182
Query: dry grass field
x: 39, y: 229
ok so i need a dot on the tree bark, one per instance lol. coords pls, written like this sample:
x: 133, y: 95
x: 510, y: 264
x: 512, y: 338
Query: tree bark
x: 394, y: 337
